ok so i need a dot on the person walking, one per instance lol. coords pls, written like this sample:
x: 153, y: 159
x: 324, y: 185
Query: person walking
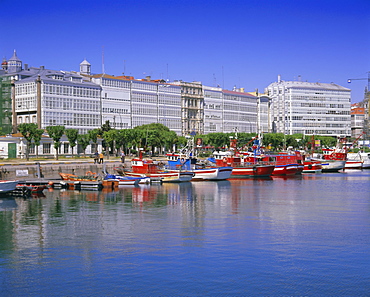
x: 101, y: 158
x: 96, y: 157
x: 123, y: 157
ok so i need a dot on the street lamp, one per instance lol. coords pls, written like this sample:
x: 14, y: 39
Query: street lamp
x: 368, y: 80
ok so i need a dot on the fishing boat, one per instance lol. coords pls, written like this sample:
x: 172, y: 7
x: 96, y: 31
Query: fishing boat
x: 241, y: 166
x: 354, y: 161
x: 155, y: 170
x: 127, y: 180
x: 329, y: 165
x: 311, y: 166
x: 7, y: 186
x: 187, y: 160
x: 287, y: 163
x: 245, y: 164
x: 366, y: 159
x: 340, y: 153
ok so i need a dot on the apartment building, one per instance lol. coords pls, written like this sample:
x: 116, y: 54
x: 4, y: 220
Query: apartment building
x: 49, y: 97
x: 310, y: 108
x: 239, y: 111
x: 213, y: 109
x: 357, y: 120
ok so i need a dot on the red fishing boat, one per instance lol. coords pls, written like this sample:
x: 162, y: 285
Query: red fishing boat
x: 311, y: 166
x: 187, y: 159
x: 335, y: 159
x: 251, y: 164
x: 155, y: 170
x: 287, y: 163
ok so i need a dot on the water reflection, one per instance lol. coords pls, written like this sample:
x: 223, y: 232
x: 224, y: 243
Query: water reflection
x: 238, y: 234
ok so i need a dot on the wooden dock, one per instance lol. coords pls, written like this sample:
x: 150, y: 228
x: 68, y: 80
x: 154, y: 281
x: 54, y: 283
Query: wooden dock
x: 72, y: 185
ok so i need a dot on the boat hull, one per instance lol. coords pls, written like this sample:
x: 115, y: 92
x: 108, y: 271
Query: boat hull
x: 214, y: 173
x: 172, y: 176
x: 353, y: 164
x: 332, y: 165
x: 312, y: 167
x: 8, y: 185
x: 288, y: 169
x: 253, y: 171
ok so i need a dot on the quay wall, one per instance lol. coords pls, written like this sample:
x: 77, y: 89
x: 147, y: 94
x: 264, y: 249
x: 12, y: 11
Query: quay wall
x: 51, y: 171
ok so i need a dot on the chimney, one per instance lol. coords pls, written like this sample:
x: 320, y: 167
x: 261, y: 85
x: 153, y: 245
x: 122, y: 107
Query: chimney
x: 279, y: 78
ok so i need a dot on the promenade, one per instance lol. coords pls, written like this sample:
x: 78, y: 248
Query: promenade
x: 50, y: 168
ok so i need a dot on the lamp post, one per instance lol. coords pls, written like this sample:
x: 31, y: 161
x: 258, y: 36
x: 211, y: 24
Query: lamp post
x: 368, y: 80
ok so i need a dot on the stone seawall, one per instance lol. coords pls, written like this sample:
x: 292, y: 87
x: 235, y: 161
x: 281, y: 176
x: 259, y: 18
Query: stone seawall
x: 52, y: 170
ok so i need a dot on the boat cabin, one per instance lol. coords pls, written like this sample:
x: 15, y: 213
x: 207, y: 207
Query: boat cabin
x: 144, y: 166
x: 180, y: 161
x: 333, y: 154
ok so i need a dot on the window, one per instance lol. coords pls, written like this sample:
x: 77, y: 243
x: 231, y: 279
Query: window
x: 46, y: 148
x: 66, y: 148
x: 32, y: 148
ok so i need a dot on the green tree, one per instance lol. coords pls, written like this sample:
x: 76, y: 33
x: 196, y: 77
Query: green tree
x: 276, y: 140
x: 72, y: 137
x: 154, y: 135
x: 106, y: 127
x: 83, y: 140
x: 217, y: 140
x: 56, y: 133
x: 109, y: 139
x: 28, y: 131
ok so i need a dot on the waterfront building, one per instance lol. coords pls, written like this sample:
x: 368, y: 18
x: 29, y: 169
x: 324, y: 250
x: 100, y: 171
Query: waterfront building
x: 50, y: 97
x: 155, y: 101
x: 128, y: 102
x: 310, y: 108
x: 115, y: 100
x: 263, y: 114
x: 229, y: 111
x: 213, y: 109
x: 192, y: 107
x: 239, y: 111
x: 357, y: 120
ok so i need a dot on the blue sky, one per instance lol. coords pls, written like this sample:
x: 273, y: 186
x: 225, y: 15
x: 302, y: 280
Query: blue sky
x: 230, y: 43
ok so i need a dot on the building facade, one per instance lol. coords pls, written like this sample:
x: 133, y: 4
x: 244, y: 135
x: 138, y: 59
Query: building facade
x: 357, y: 120
x: 239, y: 111
x: 310, y: 108
x: 213, y: 109
x: 85, y: 101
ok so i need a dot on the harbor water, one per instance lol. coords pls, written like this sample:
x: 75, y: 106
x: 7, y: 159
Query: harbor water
x: 306, y: 235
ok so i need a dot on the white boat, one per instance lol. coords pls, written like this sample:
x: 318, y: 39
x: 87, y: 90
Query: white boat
x: 354, y: 161
x: 7, y: 185
x: 332, y: 165
x: 366, y: 159
x: 127, y: 180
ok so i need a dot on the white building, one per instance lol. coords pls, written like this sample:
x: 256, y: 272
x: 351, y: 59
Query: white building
x: 213, y: 109
x: 128, y: 102
x: 239, y: 112
x: 310, y: 108
x: 115, y: 100
x: 225, y: 111
x: 49, y: 97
